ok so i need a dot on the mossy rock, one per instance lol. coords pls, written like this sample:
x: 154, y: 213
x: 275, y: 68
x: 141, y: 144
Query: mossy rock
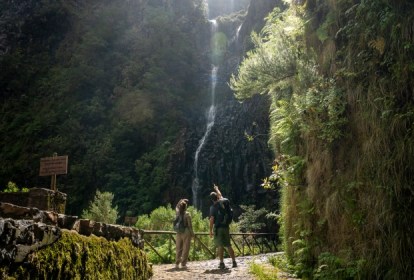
x: 75, y: 256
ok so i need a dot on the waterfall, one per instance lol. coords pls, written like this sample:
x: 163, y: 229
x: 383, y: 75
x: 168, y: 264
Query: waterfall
x: 211, y: 115
x: 235, y: 39
x: 238, y: 33
x: 214, y: 26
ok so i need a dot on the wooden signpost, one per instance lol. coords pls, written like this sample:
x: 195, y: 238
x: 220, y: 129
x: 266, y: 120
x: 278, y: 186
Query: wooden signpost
x: 52, y: 166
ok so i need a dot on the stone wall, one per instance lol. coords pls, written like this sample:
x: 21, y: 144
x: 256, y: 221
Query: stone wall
x: 40, y: 198
x: 24, y: 229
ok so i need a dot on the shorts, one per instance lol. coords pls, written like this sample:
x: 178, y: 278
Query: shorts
x: 222, y: 237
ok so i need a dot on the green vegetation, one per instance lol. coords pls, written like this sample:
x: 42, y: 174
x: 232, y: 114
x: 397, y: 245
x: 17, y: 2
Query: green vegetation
x: 78, y: 257
x: 110, y: 84
x: 251, y: 220
x: 340, y: 78
x: 162, y: 219
x: 276, y: 266
x: 12, y: 187
x: 262, y: 272
x: 101, y: 210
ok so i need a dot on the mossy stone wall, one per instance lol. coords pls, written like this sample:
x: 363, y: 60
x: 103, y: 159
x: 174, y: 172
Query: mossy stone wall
x: 75, y: 256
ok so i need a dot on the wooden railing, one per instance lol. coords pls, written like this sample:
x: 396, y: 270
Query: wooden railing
x: 242, y: 243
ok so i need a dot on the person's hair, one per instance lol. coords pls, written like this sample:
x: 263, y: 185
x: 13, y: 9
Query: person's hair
x: 213, y: 196
x: 182, y: 207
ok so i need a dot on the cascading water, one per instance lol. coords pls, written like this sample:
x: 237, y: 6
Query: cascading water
x: 210, y: 122
x: 235, y: 39
x: 238, y: 33
x: 214, y: 26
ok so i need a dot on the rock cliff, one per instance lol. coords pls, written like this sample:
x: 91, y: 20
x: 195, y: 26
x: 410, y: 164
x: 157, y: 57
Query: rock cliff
x: 236, y: 155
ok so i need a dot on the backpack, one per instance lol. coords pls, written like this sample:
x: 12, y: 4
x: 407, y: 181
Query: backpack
x: 224, y: 213
x: 178, y: 224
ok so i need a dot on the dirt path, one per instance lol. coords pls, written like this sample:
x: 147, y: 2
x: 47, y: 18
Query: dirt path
x: 209, y: 269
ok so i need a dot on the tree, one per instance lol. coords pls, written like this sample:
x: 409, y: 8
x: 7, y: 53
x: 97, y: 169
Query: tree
x: 100, y: 209
x: 252, y: 220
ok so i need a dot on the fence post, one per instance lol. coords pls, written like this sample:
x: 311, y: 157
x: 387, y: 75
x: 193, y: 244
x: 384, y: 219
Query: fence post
x: 242, y: 245
x: 194, y: 245
x: 170, y: 248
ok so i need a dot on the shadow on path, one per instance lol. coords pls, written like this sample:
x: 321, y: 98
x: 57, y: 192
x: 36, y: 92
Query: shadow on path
x: 218, y: 271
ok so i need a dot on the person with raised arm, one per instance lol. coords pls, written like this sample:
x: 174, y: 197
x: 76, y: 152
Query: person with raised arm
x: 219, y: 229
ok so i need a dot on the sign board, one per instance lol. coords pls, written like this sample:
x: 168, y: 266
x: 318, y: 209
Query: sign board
x: 53, y: 166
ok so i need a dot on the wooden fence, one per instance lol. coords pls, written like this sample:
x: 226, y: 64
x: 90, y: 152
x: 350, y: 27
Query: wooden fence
x: 242, y: 243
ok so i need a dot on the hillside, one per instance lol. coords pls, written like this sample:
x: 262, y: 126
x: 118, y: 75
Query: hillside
x: 109, y: 83
x: 122, y: 88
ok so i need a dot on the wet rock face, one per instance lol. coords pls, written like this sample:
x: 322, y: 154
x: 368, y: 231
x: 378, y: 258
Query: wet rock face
x: 236, y: 154
x: 232, y: 159
x: 255, y: 20
x: 219, y: 7
x: 229, y: 158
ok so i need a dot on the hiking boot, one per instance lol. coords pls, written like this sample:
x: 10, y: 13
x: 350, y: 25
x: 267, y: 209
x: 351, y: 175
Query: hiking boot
x: 221, y: 265
x: 234, y: 264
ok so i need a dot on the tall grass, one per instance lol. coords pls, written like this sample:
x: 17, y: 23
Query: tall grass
x: 262, y: 272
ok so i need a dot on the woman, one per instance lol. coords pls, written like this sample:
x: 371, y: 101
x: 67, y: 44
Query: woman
x: 183, y: 239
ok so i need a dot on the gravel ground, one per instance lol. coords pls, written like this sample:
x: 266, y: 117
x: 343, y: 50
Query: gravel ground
x: 209, y: 269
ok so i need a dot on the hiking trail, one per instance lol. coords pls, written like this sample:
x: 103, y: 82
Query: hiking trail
x: 209, y: 269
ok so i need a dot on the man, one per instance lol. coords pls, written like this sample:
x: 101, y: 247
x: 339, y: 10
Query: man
x: 221, y: 232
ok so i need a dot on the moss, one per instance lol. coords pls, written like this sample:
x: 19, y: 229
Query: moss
x: 80, y: 257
